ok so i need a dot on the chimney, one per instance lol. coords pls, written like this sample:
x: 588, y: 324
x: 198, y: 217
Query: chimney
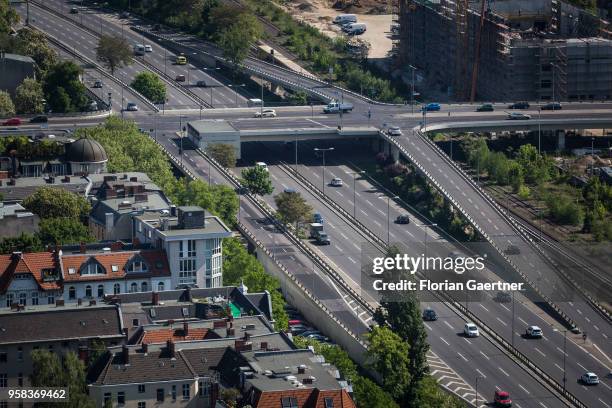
x: 134, y: 179
x: 230, y: 332
x: 155, y: 298
x: 173, y: 210
x: 82, y: 248
x: 145, y: 348
x: 117, y: 246
x: 185, y: 329
x: 308, y: 380
x: 170, y: 348
x: 301, y: 369
x: 125, y: 354
x: 17, y: 255
x: 247, y: 336
x: 264, y: 345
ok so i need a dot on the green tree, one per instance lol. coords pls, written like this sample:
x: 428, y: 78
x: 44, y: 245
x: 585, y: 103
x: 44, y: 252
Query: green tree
x: 368, y: 394
x: 50, y: 202
x: 388, y: 355
x: 224, y: 153
x: 257, y: 180
x: 34, y: 44
x: 23, y: 243
x: 7, y: 108
x: 292, y: 208
x: 29, y: 97
x: 63, y: 88
x: 8, y: 17
x: 429, y: 395
x: 114, y: 52
x: 149, y: 84
x: 298, y: 98
x: 63, y: 231
x: 235, y: 40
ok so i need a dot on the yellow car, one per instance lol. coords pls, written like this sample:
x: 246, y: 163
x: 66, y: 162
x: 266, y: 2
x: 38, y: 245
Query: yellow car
x: 181, y: 60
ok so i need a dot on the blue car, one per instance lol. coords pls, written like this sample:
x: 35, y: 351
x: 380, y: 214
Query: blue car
x: 431, y: 107
x: 317, y: 217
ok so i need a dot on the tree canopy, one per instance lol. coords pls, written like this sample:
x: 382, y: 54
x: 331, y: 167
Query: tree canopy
x: 224, y: 153
x: 389, y: 358
x: 257, y: 180
x: 149, y: 84
x: 292, y: 208
x: 29, y: 97
x: 7, y: 108
x: 63, y: 88
x: 114, y: 52
x: 50, y: 202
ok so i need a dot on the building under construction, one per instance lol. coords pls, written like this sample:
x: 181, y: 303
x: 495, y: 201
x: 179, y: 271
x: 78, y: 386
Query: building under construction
x: 505, y: 50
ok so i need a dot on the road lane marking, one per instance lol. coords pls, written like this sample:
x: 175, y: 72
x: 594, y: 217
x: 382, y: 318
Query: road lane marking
x: 483, y: 307
x: 448, y: 324
x: 461, y: 355
x: 559, y: 367
x: 481, y: 373
x: 484, y: 355
x: 502, y: 370
x: 524, y: 389
x: 445, y: 342
x: 538, y: 350
x: 501, y: 321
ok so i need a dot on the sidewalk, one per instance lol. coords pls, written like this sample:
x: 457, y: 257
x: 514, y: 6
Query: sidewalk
x: 283, y: 60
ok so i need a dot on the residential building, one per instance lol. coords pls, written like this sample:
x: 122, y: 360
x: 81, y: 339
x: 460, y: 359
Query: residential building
x: 59, y: 329
x: 192, y: 240
x: 15, y: 220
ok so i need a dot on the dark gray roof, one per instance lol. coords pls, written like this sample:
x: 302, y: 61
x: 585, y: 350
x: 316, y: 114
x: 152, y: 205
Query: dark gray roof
x: 204, y: 361
x: 59, y: 324
x: 86, y: 150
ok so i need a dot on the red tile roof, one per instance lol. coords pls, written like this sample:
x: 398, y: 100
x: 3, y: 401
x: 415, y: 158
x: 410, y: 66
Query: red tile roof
x: 162, y: 335
x: 306, y: 398
x: 32, y: 263
x: 156, y: 262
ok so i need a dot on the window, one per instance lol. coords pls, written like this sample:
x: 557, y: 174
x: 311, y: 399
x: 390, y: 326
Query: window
x: 187, y: 249
x: 289, y: 402
x: 92, y: 268
x: 50, y: 299
x: 137, y: 266
x: 139, y: 226
x: 3, y: 380
x: 328, y: 402
x: 88, y: 291
x: 121, y: 398
x: 23, y: 299
x: 3, y: 357
x: 135, y: 323
x: 34, y: 298
x: 142, y: 404
x: 20, y: 379
x: 9, y: 299
x: 187, y: 271
x: 185, y: 391
x: 100, y: 291
x: 71, y: 271
x: 107, y: 398
x: 141, y: 388
x: 19, y: 353
x: 174, y: 392
x: 72, y: 293
x: 116, y: 289
x: 114, y: 268
x: 205, y: 388
x: 160, y: 395
x: 144, y: 287
x: 133, y: 287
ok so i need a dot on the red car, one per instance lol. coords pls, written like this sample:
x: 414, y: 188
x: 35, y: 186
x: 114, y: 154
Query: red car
x: 12, y: 122
x: 295, y: 322
x: 502, y: 399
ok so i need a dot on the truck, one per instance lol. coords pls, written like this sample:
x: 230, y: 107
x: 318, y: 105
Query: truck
x: 318, y: 234
x: 335, y: 107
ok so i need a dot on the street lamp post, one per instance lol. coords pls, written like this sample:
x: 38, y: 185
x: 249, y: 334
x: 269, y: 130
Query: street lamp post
x: 181, y: 133
x: 425, y: 226
x: 477, y: 377
x: 329, y: 149
x: 564, y: 353
x: 355, y: 173
x: 236, y: 90
x: 211, y: 87
x: 389, y: 216
x: 412, y: 88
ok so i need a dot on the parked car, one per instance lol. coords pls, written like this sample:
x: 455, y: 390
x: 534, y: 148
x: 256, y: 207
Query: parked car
x: 589, y: 378
x: 201, y: 84
x: 39, y: 119
x: 296, y: 322
x: 502, y: 399
x: 309, y: 332
x: 485, y: 107
x: 148, y: 48
x: 503, y: 297
x: 317, y: 218
x: 336, y: 182
x: 470, y: 330
x: 518, y: 116
x: 318, y: 337
x: 132, y: 107
x: 533, y: 332
x: 180, y: 78
x: 74, y: 10
x: 299, y: 329
x: 403, y: 219
x: 432, y: 106
x: 519, y: 105
x: 552, y: 106
x: 289, y: 190
x: 12, y: 122
x: 394, y: 131
x: 429, y: 315
x: 98, y: 84
x: 266, y: 113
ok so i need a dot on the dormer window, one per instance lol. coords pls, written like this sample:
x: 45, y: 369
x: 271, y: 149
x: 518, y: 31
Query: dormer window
x: 49, y: 274
x: 137, y: 265
x: 92, y: 267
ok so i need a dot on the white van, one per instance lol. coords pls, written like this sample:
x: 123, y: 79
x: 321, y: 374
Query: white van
x: 139, y: 49
x: 355, y: 29
x: 254, y: 102
x: 262, y: 165
x: 343, y: 19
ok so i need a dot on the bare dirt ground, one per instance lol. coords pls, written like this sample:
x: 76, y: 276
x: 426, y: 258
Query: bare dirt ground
x: 375, y: 13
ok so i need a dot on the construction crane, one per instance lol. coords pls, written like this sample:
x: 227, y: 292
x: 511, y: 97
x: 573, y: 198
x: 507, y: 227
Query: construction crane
x: 477, y: 51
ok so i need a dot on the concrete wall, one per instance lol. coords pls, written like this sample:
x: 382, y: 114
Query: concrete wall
x: 13, y: 71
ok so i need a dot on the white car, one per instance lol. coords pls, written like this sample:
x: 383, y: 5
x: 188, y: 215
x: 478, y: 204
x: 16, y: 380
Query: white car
x: 148, y: 48
x: 262, y: 165
x: 518, y: 116
x: 533, y: 332
x: 470, y: 330
x: 266, y: 113
x: 336, y: 182
x: 589, y: 378
x: 132, y: 107
x: 394, y: 131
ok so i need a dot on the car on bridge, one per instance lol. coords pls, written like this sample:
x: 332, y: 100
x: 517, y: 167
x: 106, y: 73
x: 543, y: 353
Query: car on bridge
x: 266, y: 113
x: 502, y: 399
x: 485, y: 107
x: 552, y: 106
x: 39, y: 119
x: 74, y: 10
x: 201, y: 84
x: 470, y: 330
x: 98, y: 84
x: 503, y: 297
x: 336, y: 182
x: 131, y: 107
x: 394, y: 131
x: 519, y: 105
x: 429, y: 315
x: 148, y: 48
x: 181, y: 60
x: 262, y: 165
x: 402, y: 219
x: 12, y: 122
x: 533, y: 332
x: 317, y: 218
x: 180, y: 78
x: 518, y: 116
x: 589, y: 378
x: 430, y: 107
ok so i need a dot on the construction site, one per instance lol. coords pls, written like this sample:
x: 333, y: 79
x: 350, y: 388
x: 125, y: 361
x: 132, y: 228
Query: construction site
x: 503, y: 50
